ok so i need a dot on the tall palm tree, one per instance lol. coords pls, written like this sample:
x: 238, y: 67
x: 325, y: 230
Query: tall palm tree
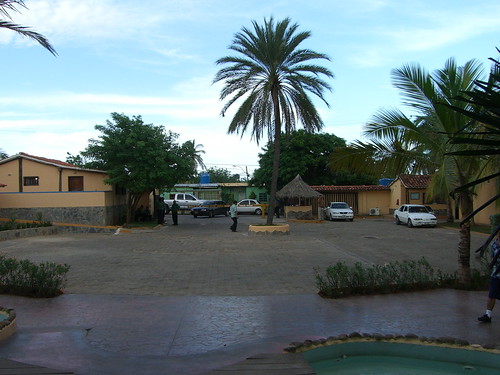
x: 272, y: 76
x: 7, y: 6
x: 421, y: 143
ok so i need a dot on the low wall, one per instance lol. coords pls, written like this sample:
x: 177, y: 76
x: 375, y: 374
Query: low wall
x: 76, y: 215
x: 299, y: 212
x: 28, y: 232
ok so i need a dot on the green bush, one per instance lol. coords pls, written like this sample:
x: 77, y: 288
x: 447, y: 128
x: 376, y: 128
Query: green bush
x: 341, y: 280
x: 22, y: 277
x: 12, y: 224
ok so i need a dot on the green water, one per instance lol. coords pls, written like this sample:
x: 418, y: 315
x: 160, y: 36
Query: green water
x: 379, y: 358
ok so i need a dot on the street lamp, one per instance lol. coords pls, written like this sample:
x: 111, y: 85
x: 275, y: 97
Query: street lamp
x: 244, y: 170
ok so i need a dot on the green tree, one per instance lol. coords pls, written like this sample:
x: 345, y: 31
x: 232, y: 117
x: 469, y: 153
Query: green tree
x: 7, y: 6
x: 3, y: 155
x: 221, y: 175
x: 307, y: 154
x: 139, y: 157
x: 272, y: 76
x: 420, y: 143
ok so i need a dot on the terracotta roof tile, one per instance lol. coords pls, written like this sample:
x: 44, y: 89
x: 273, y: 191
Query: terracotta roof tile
x: 327, y: 188
x: 53, y: 161
x: 415, y: 181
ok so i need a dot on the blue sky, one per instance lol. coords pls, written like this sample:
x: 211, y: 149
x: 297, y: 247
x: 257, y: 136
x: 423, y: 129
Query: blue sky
x: 156, y: 58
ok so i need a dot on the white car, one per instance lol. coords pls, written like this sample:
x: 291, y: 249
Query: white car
x: 414, y: 215
x: 249, y: 206
x: 339, y: 210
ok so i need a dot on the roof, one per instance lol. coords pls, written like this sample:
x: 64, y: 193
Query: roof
x: 297, y: 188
x: 349, y: 188
x: 47, y: 161
x: 415, y: 181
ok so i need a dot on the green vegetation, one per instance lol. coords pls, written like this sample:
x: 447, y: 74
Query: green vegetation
x: 7, y: 6
x: 420, y: 140
x: 306, y: 154
x: 139, y: 157
x: 272, y: 76
x: 24, y: 278
x: 341, y: 280
x: 13, y: 224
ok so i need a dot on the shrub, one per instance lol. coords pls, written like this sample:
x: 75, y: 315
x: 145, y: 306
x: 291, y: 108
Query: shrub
x: 22, y: 277
x: 12, y: 224
x: 341, y: 280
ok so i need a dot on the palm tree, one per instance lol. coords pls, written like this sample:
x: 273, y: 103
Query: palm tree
x: 421, y: 143
x: 10, y: 5
x: 272, y: 76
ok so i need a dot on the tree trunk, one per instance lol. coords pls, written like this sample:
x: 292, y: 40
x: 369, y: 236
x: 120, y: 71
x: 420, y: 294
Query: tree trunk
x: 464, y: 275
x: 450, y: 211
x: 276, y: 157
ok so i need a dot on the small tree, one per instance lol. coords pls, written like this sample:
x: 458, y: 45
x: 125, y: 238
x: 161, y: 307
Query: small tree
x: 139, y: 157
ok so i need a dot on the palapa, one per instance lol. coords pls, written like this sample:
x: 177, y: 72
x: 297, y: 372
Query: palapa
x: 297, y: 188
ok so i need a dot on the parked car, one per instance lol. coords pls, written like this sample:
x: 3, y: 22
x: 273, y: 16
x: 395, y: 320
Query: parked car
x: 251, y: 206
x: 210, y: 209
x: 184, y: 200
x: 339, y: 210
x: 414, y: 215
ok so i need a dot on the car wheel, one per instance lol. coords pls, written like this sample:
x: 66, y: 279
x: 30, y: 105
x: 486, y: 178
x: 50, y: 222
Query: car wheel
x: 227, y: 213
x: 397, y: 221
x: 258, y: 211
x: 330, y: 218
x: 194, y: 215
x: 351, y: 219
x: 211, y: 214
x: 410, y: 224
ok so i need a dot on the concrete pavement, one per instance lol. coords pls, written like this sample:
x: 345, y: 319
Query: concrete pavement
x: 196, y: 297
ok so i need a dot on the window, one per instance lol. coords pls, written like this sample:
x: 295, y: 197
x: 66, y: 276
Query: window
x: 414, y: 196
x: 75, y: 183
x: 31, y: 181
x: 262, y: 197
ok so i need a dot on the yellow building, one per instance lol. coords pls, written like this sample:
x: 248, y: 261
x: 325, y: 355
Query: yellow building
x: 375, y: 200
x: 59, y: 191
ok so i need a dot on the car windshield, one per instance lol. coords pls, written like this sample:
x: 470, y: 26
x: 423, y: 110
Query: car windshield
x: 418, y: 209
x: 340, y: 205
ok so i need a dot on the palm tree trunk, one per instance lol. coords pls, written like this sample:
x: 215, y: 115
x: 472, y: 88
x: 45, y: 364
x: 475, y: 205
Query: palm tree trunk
x: 464, y: 274
x: 276, y: 158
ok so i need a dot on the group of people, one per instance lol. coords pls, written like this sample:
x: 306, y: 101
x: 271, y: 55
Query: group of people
x: 162, y: 209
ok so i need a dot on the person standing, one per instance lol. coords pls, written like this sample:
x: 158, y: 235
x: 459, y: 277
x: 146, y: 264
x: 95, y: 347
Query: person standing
x: 233, y: 212
x: 160, y: 211
x: 494, y: 290
x: 175, y: 212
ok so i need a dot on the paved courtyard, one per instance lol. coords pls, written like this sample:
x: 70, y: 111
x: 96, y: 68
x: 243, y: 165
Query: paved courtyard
x: 195, y: 297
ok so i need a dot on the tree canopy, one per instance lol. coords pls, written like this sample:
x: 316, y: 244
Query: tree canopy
x: 272, y: 75
x: 306, y: 154
x: 137, y: 156
x: 220, y: 175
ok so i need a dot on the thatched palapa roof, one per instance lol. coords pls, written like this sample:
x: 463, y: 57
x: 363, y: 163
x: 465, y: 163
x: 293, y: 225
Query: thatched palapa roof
x: 297, y: 188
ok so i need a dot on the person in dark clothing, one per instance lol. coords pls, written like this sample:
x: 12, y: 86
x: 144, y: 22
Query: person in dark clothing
x: 175, y: 212
x: 160, y: 211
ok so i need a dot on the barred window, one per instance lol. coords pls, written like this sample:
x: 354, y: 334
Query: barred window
x: 31, y: 181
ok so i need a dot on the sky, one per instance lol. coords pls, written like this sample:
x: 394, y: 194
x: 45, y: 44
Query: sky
x: 156, y: 59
